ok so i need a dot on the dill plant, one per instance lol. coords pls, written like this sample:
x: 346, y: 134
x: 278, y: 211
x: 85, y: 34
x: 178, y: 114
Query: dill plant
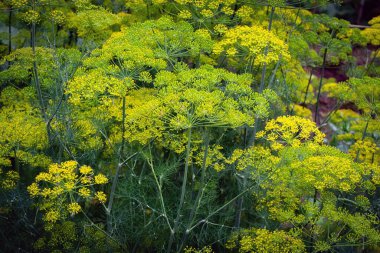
x: 183, y: 112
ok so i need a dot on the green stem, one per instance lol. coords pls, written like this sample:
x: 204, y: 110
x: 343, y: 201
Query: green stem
x: 274, y: 73
x: 316, y: 115
x: 148, y: 3
x: 239, y: 205
x: 36, y: 77
x: 363, y: 136
x: 336, y: 107
x: 221, y: 208
x: 101, y: 230
x: 308, y: 85
x: 367, y: 66
x: 53, y: 33
x: 10, y: 30
x: 183, y: 191
x: 159, y: 187
x: 263, y: 73
x: 198, y: 199
x: 116, y: 176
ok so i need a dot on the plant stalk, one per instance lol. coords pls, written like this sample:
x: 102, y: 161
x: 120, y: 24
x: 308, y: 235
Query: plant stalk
x: 9, y: 30
x: 198, y: 199
x: 116, y: 176
x: 263, y: 73
x: 308, y: 85
x: 183, y: 192
x: 316, y: 116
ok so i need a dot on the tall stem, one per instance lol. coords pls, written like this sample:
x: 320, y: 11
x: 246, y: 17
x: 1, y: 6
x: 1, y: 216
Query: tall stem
x: 159, y: 187
x: 9, y: 30
x: 36, y: 76
x: 198, y: 199
x: 116, y: 176
x: 308, y: 85
x: 271, y: 80
x: 363, y: 137
x: 183, y: 192
x: 53, y: 33
x: 316, y: 116
x: 263, y: 73
x: 148, y: 3
x: 221, y: 208
x: 360, y: 14
x: 239, y: 205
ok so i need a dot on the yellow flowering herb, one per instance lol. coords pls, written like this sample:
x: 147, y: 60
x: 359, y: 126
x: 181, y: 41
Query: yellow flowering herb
x: 290, y: 130
x: 373, y: 33
x: 265, y: 241
x: 74, y: 208
x: 250, y: 43
x: 101, y: 196
x: 9, y: 179
x: 100, y: 179
x: 61, y: 184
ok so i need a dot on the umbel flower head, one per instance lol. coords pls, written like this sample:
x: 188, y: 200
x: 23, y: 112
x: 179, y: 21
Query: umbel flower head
x: 8, y: 180
x: 255, y: 44
x: 290, y: 131
x: 63, y: 187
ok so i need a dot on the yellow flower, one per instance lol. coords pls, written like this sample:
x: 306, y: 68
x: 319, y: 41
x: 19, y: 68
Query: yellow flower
x: 69, y: 186
x: 184, y: 14
x: 84, y: 192
x: 33, y: 189
x: 46, y: 192
x: 344, y: 186
x: 74, y: 208
x: 259, y: 44
x: 63, y: 179
x: 101, y: 196
x: 31, y: 17
x: 85, y: 170
x: 220, y: 28
x: 101, y: 179
x: 58, y: 17
x: 10, y: 180
x: 86, y: 180
x: 54, y: 169
x: 43, y: 176
x: 231, y: 51
x: 207, y: 13
x: 70, y: 165
x: 52, y: 216
x: 292, y: 130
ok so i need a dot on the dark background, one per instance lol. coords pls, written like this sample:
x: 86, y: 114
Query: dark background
x: 358, y: 12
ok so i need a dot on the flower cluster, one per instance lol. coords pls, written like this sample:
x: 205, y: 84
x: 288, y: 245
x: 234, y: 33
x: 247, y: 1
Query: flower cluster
x: 265, y: 241
x: 31, y: 17
x: 328, y: 172
x: 202, y: 12
x: 58, y: 17
x: 9, y: 179
x: 373, y: 33
x: 63, y: 186
x: 19, y: 3
x: 303, y: 112
x: 206, y: 249
x: 149, y: 45
x: 366, y: 150
x: 22, y: 131
x: 290, y: 130
x: 255, y: 44
x: 102, y: 24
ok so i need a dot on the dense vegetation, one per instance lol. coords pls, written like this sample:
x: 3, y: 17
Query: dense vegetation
x: 187, y: 126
